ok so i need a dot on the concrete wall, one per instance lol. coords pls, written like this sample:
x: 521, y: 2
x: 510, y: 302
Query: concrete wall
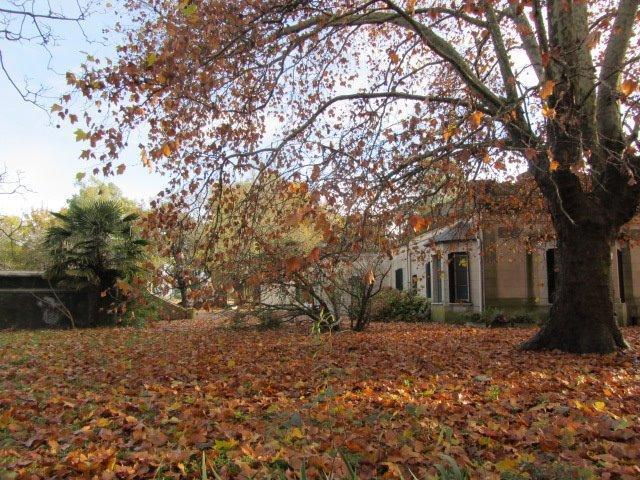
x: 413, y: 258
x: 28, y: 301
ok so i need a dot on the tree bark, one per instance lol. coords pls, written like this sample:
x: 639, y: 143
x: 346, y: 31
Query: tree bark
x: 582, y: 318
x: 184, y: 294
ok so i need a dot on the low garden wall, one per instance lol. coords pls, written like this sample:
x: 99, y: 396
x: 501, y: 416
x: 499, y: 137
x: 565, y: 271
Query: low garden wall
x: 27, y: 300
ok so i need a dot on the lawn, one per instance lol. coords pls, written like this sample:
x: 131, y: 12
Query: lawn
x: 395, y: 401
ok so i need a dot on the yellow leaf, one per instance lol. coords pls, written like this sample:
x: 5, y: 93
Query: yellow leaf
x: 152, y: 58
x: 54, y: 446
x: 507, y: 465
x: 102, y: 422
x: 547, y: 89
x: 411, y: 6
x: 231, y: 363
x: 599, y: 406
x: 369, y: 278
x: 294, y: 434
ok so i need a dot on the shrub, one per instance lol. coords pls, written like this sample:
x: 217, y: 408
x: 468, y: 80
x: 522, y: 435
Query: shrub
x: 462, y: 318
x: 268, y: 320
x: 391, y: 305
x: 498, y: 318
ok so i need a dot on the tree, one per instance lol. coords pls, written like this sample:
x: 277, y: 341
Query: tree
x: 21, y: 240
x: 94, y: 245
x: 378, y: 105
x: 31, y: 22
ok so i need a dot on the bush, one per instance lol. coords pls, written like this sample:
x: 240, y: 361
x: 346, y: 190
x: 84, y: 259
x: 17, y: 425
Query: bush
x: 269, y: 320
x: 498, y: 318
x: 462, y: 318
x: 391, y: 305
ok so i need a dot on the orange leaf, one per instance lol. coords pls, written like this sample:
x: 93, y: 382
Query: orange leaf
x: 314, y: 256
x: 628, y: 87
x: 121, y: 168
x: 547, y: 89
x: 293, y: 264
x: 476, y: 118
x: 418, y: 223
x: 449, y: 132
x: 548, y: 112
x: 166, y: 150
x: 553, y: 165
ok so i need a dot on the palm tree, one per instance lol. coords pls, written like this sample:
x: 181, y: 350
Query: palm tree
x: 92, y: 246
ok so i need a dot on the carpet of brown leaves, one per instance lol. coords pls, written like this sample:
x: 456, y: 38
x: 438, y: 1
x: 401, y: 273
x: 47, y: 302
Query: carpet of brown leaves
x: 145, y: 403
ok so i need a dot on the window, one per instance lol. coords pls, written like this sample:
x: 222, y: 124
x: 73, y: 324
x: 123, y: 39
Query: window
x: 414, y: 284
x: 399, y: 279
x: 427, y: 277
x: 621, y: 276
x: 459, y: 277
x: 551, y: 274
x: 437, y: 279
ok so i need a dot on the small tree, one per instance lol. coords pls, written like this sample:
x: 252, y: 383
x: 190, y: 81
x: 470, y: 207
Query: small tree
x: 93, y: 245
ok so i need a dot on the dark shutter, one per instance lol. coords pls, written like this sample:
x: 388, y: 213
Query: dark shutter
x: 428, y: 279
x: 551, y: 274
x: 399, y: 279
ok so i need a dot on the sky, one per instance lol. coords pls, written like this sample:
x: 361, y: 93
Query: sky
x: 46, y: 157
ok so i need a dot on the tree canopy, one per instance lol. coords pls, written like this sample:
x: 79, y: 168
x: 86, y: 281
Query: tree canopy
x: 377, y: 106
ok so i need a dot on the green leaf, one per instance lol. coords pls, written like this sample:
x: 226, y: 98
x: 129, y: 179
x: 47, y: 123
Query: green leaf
x: 189, y: 10
x: 152, y: 58
x: 81, y: 135
x: 80, y: 176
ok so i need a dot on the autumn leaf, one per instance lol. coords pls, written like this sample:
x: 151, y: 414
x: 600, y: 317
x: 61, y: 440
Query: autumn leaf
x: 418, y: 223
x: 553, y: 165
x: 189, y: 9
x: 81, y: 135
x: 449, y: 132
x: 80, y: 176
x: 369, y: 277
x: 628, y: 87
x: 166, y: 149
x: 314, y: 255
x: 293, y: 264
x: 56, y: 108
x: 151, y: 59
x: 315, y: 173
x: 547, y: 89
x: 411, y: 6
x: 476, y: 118
x: 548, y: 112
x: 121, y: 168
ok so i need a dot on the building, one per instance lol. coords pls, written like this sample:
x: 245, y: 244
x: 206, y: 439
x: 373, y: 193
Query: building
x: 474, y: 266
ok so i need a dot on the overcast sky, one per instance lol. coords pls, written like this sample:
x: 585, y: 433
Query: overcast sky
x: 47, y: 157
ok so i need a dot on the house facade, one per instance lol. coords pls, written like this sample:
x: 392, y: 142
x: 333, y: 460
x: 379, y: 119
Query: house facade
x: 462, y: 269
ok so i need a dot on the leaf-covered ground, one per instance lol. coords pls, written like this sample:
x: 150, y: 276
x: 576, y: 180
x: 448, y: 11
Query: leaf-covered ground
x: 145, y: 403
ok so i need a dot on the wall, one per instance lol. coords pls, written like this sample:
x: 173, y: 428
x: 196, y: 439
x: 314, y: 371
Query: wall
x: 28, y: 301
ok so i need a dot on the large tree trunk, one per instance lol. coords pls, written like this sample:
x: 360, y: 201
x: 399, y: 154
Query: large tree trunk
x: 582, y: 317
